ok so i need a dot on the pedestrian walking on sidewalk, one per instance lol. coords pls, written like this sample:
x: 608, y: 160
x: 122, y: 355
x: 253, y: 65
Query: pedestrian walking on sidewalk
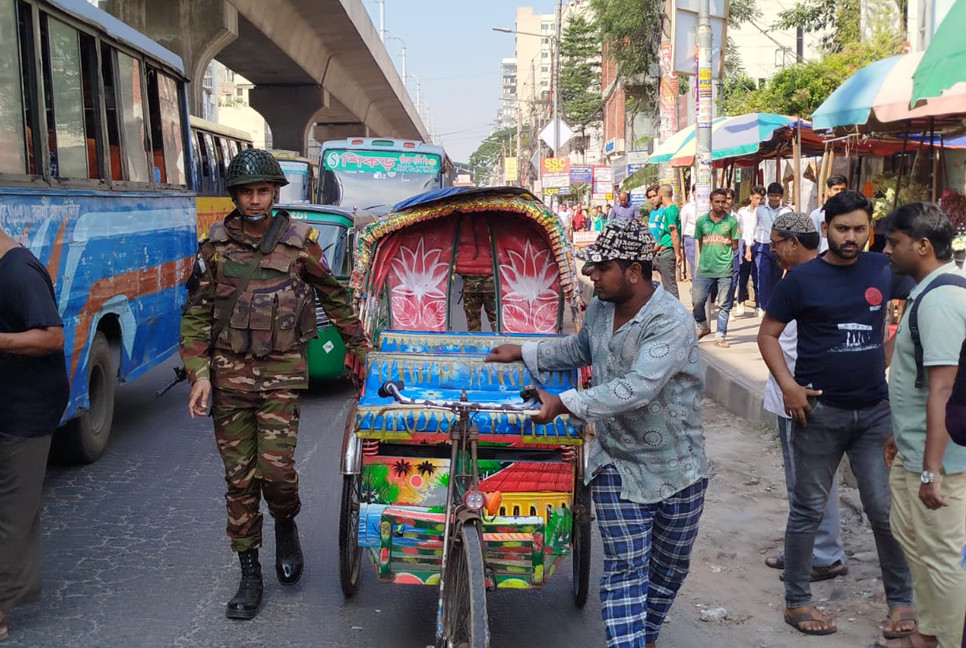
x: 647, y: 468
x: 716, y: 239
x: 250, y: 310
x: 838, y: 398
x: 927, y: 475
x: 688, y: 219
x: 766, y: 267
x: 835, y: 184
x: 623, y: 211
x: 667, y: 251
x: 744, y: 268
x: 794, y: 240
x: 33, y: 373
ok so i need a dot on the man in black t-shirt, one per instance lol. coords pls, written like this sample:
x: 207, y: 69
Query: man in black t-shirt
x: 33, y: 373
x: 838, y: 398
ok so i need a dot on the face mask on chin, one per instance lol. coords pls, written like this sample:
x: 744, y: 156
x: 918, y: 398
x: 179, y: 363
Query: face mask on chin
x: 253, y: 219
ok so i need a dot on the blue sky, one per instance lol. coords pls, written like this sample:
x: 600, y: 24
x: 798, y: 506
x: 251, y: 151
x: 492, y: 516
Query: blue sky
x: 451, y: 47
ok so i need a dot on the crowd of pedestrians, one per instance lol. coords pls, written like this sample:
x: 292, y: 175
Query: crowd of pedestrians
x: 823, y: 299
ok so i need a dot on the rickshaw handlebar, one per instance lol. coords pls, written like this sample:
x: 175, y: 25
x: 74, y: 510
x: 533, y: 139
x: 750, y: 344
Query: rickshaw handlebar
x: 393, y: 389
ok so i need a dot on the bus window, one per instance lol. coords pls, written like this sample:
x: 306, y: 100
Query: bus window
x: 197, y: 165
x: 64, y: 99
x: 13, y: 135
x: 110, y: 104
x: 129, y: 85
x: 166, y: 128
x: 221, y: 162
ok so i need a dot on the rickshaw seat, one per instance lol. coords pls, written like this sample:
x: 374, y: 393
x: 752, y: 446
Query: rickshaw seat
x: 440, y: 366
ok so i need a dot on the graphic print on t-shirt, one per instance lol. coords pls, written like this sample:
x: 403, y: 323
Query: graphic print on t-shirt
x: 858, y: 337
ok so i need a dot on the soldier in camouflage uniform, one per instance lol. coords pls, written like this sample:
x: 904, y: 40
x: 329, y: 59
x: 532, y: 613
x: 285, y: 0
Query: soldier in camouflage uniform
x: 474, y: 263
x: 252, y: 289
x: 479, y: 292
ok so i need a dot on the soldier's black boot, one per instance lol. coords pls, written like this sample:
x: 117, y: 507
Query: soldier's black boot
x: 288, y: 552
x: 248, y: 598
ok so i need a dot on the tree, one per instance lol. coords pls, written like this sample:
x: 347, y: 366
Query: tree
x: 800, y: 88
x: 632, y: 31
x: 811, y: 16
x: 487, y: 158
x: 579, y: 75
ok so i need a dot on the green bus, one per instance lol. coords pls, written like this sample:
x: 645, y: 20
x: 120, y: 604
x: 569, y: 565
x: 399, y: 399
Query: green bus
x: 337, y: 229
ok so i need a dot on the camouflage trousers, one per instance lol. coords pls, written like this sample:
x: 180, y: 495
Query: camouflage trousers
x: 256, y: 434
x: 479, y: 292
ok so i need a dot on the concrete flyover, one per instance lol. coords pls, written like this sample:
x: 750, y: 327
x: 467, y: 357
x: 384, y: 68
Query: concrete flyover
x: 313, y: 62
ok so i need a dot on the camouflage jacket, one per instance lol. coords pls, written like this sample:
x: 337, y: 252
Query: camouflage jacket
x: 262, y: 345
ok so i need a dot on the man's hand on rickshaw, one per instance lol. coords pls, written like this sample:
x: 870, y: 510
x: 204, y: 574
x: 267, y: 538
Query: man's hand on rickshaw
x: 550, y: 406
x: 505, y: 353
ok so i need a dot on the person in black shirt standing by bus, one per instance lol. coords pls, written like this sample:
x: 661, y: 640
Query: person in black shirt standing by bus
x: 33, y: 373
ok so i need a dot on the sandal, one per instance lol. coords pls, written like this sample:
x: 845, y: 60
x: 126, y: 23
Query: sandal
x: 806, y: 614
x: 704, y: 332
x: 900, y: 614
x: 775, y: 562
x: 722, y: 343
x: 914, y: 640
x: 836, y: 569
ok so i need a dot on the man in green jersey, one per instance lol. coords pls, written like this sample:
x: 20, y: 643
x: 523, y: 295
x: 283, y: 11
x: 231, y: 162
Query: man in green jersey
x: 716, y: 237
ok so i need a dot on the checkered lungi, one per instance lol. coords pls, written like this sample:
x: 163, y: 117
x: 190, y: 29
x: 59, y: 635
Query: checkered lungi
x: 647, y: 552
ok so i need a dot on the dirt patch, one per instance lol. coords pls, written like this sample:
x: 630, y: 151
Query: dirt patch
x: 743, y: 523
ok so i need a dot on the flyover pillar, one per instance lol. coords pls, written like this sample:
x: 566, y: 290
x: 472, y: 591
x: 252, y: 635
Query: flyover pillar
x: 290, y: 112
x: 195, y: 30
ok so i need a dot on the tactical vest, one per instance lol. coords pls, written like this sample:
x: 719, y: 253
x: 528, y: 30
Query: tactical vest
x: 276, y: 311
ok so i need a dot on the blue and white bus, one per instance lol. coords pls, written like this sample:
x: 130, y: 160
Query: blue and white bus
x: 373, y: 174
x: 94, y: 142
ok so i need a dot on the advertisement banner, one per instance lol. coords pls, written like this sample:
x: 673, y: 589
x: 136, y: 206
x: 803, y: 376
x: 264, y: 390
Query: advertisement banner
x: 382, y: 161
x: 603, y: 188
x: 510, y: 172
x: 555, y: 172
x: 583, y: 239
x: 581, y: 174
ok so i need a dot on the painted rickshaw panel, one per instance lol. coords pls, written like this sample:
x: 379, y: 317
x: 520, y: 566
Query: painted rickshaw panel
x: 405, y: 265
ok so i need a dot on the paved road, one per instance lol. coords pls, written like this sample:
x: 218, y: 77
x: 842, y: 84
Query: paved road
x: 136, y: 556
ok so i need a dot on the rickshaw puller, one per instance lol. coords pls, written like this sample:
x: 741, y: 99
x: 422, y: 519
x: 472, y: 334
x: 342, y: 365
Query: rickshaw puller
x: 249, y: 312
x: 647, y: 468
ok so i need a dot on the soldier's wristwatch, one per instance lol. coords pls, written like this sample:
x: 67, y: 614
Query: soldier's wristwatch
x: 927, y: 477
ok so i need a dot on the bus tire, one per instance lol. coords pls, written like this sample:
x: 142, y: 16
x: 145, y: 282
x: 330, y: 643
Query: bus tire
x: 84, y: 439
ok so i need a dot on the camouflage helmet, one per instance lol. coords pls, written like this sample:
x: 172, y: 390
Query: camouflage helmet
x: 254, y: 165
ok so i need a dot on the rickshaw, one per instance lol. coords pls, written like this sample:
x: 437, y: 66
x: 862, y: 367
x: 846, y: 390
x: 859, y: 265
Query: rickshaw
x: 446, y: 480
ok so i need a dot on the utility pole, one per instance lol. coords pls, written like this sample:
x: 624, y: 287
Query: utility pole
x: 519, y: 180
x: 702, y: 158
x: 403, y: 44
x: 382, y: 20
x: 555, y: 81
x: 669, y: 98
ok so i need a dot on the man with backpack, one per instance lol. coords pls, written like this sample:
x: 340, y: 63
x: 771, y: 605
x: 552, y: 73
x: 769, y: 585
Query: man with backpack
x: 928, y: 515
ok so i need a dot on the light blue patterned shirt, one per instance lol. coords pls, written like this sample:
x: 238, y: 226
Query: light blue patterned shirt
x: 646, y: 400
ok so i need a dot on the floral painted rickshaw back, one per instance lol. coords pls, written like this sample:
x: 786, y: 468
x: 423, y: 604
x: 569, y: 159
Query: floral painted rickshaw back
x: 500, y: 241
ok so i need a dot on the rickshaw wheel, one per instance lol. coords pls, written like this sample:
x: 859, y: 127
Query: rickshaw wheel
x: 464, y: 595
x: 581, y: 543
x: 350, y: 553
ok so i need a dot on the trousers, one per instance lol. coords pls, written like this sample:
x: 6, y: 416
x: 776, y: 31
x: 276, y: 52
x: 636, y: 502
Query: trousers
x: 256, y: 433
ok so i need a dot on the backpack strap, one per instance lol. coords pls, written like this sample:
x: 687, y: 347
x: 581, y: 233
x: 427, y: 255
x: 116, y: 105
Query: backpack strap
x: 947, y: 279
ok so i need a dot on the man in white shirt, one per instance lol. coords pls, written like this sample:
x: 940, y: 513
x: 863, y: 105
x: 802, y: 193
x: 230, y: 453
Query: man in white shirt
x: 765, y: 263
x: 833, y: 185
x: 744, y: 268
x: 688, y: 217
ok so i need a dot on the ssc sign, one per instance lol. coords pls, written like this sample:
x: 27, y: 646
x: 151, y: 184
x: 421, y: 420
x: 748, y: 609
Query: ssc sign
x: 555, y: 165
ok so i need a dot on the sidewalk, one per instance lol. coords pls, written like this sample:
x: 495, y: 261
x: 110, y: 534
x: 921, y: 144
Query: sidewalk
x: 734, y: 377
